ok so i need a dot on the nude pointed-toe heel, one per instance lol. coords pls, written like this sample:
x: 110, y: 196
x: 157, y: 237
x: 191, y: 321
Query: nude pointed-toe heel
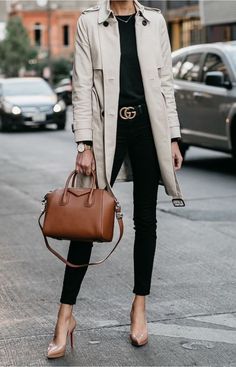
x: 138, y: 340
x: 59, y: 350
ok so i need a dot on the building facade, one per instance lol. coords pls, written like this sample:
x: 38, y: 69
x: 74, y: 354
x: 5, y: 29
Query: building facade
x: 219, y: 19
x: 51, y: 24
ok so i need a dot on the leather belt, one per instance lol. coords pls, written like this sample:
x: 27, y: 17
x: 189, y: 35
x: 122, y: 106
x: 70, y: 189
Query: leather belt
x: 130, y: 112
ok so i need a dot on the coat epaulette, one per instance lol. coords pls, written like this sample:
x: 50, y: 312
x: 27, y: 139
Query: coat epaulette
x: 92, y: 8
x: 154, y: 9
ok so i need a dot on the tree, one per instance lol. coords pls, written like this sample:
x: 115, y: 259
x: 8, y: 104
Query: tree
x: 15, y: 49
x: 60, y: 69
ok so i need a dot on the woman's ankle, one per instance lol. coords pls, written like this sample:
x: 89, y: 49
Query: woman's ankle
x: 139, y: 303
x: 65, y: 311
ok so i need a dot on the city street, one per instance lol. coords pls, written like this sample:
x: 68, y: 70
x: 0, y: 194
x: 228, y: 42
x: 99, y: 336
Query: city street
x: 192, y: 305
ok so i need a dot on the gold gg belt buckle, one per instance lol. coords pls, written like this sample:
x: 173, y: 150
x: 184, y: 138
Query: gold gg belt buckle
x: 127, y: 113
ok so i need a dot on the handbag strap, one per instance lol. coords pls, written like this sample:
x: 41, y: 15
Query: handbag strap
x: 119, y: 216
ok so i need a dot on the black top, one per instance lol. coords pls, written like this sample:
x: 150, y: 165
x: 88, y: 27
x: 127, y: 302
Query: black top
x: 131, y: 84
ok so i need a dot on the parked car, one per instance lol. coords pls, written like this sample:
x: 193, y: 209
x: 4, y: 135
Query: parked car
x: 64, y: 90
x: 205, y: 91
x: 29, y: 102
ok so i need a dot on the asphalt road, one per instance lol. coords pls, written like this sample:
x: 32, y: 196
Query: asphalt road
x: 192, y: 305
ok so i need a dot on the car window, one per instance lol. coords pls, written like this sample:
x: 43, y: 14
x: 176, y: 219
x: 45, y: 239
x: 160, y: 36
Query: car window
x: 27, y: 88
x: 190, y: 67
x: 214, y: 62
x: 176, y: 65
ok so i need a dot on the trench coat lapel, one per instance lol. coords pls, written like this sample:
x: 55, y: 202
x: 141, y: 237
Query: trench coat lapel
x: 110, y: 51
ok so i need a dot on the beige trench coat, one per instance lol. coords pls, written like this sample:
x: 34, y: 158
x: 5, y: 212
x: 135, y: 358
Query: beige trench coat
x: 95, y: 91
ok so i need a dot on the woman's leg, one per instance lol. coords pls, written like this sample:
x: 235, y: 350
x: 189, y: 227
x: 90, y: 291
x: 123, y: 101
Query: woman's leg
x: 79, y: 253
x: 146, y: 174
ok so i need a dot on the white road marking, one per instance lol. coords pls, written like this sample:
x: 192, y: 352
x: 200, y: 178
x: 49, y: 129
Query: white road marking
x: 223, y: 319
x: 189, y: 332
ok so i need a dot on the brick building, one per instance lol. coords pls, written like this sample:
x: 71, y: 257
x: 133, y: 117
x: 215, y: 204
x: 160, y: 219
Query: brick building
x: 51, y: 27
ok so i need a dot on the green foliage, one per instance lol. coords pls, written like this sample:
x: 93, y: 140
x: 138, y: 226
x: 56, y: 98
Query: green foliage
x: 60, y: 69
x: 15, y: 49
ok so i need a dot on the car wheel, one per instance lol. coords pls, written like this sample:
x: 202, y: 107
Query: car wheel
x: 183, y: 147
x: 61, y: 125
x: 3, y: 125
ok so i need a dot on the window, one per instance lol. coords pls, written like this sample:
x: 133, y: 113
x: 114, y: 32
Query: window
x: 190, y: 68
x: 214, y: 62
x: 66, y: 40
x: 176, y: 65
x: 37, y: 34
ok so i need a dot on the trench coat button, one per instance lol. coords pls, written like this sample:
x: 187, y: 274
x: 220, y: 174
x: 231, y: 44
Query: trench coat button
x: 144, y: 22
x: 102, y: 113
x: 105, y: 23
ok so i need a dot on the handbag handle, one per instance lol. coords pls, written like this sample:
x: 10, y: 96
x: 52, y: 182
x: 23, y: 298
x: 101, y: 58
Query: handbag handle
x: 119, y: 217
x: 72, y: 176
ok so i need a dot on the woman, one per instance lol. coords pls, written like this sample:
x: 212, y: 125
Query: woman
x: 126, y: 127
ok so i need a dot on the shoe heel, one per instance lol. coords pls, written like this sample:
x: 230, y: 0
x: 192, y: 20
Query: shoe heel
x: 72, y: 339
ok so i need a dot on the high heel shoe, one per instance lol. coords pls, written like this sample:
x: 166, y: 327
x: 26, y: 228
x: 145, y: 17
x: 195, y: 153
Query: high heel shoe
x: 58, y: 350
x: 138, y: 340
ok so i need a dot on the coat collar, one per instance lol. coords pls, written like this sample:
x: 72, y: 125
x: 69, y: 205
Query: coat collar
x: 105, y: 11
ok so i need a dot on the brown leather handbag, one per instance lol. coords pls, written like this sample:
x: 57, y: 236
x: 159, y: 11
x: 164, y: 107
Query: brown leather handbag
x: 85, y: 214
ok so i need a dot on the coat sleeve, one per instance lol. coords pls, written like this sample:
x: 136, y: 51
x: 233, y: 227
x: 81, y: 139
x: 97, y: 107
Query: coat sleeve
x: 167, y: 82
x: 82, y: 80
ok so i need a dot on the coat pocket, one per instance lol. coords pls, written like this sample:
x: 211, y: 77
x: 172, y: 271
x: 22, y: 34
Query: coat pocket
x: 96, y: 108
x: 164, y: 97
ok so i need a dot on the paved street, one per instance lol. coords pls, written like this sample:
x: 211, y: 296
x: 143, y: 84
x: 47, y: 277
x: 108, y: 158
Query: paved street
x: 192, y: 305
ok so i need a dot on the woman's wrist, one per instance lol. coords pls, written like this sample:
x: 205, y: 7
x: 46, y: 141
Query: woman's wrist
x: 175, y: 140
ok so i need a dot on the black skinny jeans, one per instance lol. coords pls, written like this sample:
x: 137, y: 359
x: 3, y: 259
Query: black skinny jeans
x: 135, y: 137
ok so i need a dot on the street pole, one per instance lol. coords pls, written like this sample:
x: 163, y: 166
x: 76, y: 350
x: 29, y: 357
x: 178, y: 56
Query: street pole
x: 49, y: 55
x: 47, y: 5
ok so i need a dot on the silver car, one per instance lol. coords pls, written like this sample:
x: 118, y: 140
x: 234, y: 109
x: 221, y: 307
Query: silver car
x: 205, y: 90
x: 29, y: 102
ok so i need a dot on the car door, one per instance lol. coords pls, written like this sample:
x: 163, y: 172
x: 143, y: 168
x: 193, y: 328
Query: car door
x: 213, y: 104
x: 187, y: 81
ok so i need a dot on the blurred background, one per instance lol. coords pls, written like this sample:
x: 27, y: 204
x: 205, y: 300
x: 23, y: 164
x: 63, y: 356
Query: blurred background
x: 46, y: 28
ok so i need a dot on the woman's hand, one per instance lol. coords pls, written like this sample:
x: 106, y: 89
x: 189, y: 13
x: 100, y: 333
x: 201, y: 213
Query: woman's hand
x: 85, y: 162
x: 176, y: 155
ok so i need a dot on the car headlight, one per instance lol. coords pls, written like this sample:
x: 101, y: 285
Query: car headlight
x: 16, y: 110
x: 9, y: 108
x: 59, y: 106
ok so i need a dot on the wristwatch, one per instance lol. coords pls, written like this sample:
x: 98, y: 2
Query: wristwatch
x: 81, y: 147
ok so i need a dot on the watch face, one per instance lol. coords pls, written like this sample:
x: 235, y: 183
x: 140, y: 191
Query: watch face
x: 81, y: 147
